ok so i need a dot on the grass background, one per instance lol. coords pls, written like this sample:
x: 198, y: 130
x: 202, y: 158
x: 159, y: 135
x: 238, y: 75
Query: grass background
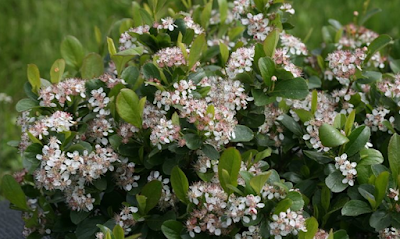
x: 31, y: 32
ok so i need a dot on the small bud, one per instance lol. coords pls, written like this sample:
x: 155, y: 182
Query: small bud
x: 273, y: 78
x: 355, y: 13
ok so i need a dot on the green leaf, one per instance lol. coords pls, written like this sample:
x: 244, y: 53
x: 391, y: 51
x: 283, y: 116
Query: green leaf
x: 121, y: 58
x: 210, y: 151
x: 380, y: 220
x: 325, y: 198
x: 376, y: 45
x: 267, y: 69
x: 368, y: 15
x: 141, y: 200
x: 355, y: 207
x: 180, y: 184
x: 242, y: 134
x: 26, y: 104
x: 365, y: 191
x: 224, y: 53
x: 291, y: 125
x: 92, y: 66
x: 230, y: 161
x: 271, y: 42
x: 12, y: 191
x: 304, y: 115
x: 331, y: 137
x: 334, y: 182
x: 369, y: 77
x: 57, y: 71
x: 72, y: 51
x: 314, y: 101
x: 319, y: 157
x: 262, y: 155
x: 261, y: 98
x: 394, y: 156
x: 87, y: 228
x: 381, y: 187
x: 101, y: 184
x: 193, y: 141
x: 34, y: 77
x: 312, y: 228
x: 111, y: 47
x: 172, y: 229
x: 78, y: 216
x: 349, y: 122
x: 370, y: 157
x: 206, y: 15
x: 199, y: 44
x: 297, y: 199
x: 150, y: 71
x: 152, y: 192
x: 292, y: 88
x: 128, y: 107
x: 258, y: 182
x: 283, y: 205
x: 357, y: 140
x: 118, y: 232
x: 223, y: 10
x: 131, y: 76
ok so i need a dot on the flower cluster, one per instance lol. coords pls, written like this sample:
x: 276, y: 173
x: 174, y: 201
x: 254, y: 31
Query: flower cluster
x: 62, y: 92
x: 127, y: 40
x: 347, y: 168
x: 344, y: 64
x: 286, y: 223
x: 389, y: 233
x: 240, y: 61
x: 168, y: 199
x: 127, y: 218
x: 171, y: 56
x: 292, y: 45
x: 257, y: 26
x: 376, y: 120
x: 5, y: 98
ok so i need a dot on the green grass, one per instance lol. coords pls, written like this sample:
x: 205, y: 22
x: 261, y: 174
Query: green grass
x: 32, y: 30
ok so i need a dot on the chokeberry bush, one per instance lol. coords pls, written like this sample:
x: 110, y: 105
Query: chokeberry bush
x: 208, y: 119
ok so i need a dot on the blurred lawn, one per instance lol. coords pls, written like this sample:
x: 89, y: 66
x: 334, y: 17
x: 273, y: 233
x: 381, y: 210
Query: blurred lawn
x: 31, y: 32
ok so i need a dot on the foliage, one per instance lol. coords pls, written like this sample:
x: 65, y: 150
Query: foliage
x: 214, y: 123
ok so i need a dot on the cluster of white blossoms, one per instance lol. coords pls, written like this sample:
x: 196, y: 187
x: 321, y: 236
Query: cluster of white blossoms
x: 286, y: 223
x: 35, y: 213
x: 242, y: 6
x: 124, y: 175
x: 390, y: 88
x: 126, y: 131
x: 127, y: 41
x: 127, y: 218
x: 167, y: 23
x: 347, y: 168
x: 345, y: 63
x: 99, y: 129
x: 271, y: 126
x: 111, y: 81
x: 164, y: 133
x: 253, y: 232
x: 376, y: 120
x: 59, y: 121
x: 389, y: 233
x: 5, y: 98
x: 191, y: 24
x: 99, y: 102
x: 325, y: 113
x: 257, y: 26
x: 168, y: 199
x: 78, y: 199
x: 282, y: 58
x: 242, y: 209
x: 240, y: 61
x: 170, y: 56
x: 59, y: 93
x: 321, y: 234
x: 343, y: 97
x: 394, y: 193
x: 292, y: 45
x: 273, y: 192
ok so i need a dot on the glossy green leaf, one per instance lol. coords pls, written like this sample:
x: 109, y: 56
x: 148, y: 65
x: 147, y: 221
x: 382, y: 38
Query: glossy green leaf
x: 297, y: 200
x: 210, y: 151
x: 224, y: 53
x: 357, y: 140
x: 121, y: 58
x: 180, y: 184
x: 118, y: 232
x: 223, y: 10
x: 57, y: 71
x: 334, y: 182
x: 319, y: 157
x: 291, y: 125
x: 34, y: 77
x: 304, y: 115
x: 26, y: 104
x: 394, y: 155
x: 152, y: 192
x: 349, y: 122
x: 368, y: 15
x: 128, y: 107
x: 12, y: 191
x: 376, y: 45
x: 199, y: 44
x: 78, y: 216
x: 72, y: 51
x: 331, y: 137
x: 92, y: 66
x: 261, y: 98
x: 283, y: 205
x: 292, y: 88
x: 172, y: 229
x: 206, y: 14
x: 312, y: 228
x: 193, y: 141
x: 314, y: 101
x: 355, y: 207
x: 242, y: 134
x: 370, y: 157
x: 381, y: 187
x: 267, y: 69
x: 380, y: 220
x: 271, y: 42
x: 230, y: 161
x: 258, y: 181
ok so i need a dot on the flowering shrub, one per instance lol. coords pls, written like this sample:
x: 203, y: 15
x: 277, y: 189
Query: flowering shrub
x: 214, y: 122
